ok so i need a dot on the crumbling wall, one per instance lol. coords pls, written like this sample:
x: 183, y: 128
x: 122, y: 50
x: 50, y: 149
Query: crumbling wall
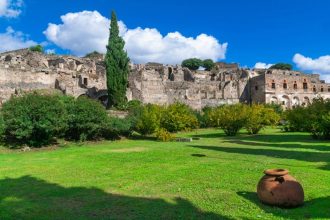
x: 24, y: 70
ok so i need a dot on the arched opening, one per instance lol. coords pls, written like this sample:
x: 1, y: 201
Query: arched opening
x: 274, y: 100
x: 170, y: 74
x: 322, y: 89
x: 295, y: 101
x: 306, y: 101
x: 285, y: 101
x: 103, y: 99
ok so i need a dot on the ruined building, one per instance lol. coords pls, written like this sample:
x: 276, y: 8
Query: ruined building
x: 24, y: 70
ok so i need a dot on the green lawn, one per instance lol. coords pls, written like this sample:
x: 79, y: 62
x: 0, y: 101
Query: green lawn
x: 211, y: 178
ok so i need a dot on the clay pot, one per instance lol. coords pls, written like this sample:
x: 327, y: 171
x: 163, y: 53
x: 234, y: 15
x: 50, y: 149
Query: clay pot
x: 278, y: 188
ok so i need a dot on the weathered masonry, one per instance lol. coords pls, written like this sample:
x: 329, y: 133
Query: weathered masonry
x: 23, y: 70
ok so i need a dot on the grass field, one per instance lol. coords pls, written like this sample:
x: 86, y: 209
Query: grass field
x: 211, y: 178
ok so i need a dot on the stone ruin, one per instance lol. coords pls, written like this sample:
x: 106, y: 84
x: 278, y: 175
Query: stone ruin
x: 24, y: 70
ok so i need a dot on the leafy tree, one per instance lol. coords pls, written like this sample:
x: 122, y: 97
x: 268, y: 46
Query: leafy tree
x: 33, y: 119
x: 148, y: 121
x: 93, y: 54
x: 282, y: 66
x: 258, y: 117
x: 117, y: 66
x: 208, y: 64
x: 87, y: 120
x: 178, y: 117
x: 230, y: 118
x: 37, y: 48
x: 192, y: 64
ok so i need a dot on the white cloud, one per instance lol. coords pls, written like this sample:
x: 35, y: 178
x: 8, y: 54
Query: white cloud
x: 319, y: 65
x: 13, y: 40
x: 86, y: 31
x: 261, y: 65
x: 10, y: 8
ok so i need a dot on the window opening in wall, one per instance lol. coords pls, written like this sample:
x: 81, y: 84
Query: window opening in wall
x: 285, y: 85
x: 314, y: 89
x: 295, y: 86
x: 256, y: 88
x: 273, y: 84
x: 85, y: 81
x: 322, y: 89
x: 305, y: 86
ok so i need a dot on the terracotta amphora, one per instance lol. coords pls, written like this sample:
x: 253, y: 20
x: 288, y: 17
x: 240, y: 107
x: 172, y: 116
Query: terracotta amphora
x: 278, y: 188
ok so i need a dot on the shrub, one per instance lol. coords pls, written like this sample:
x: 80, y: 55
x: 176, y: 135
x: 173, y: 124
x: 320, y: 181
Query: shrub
x: 37, y: 48
x: 2, y: 128
x: 258, y: 117
x: 230, y: 118
x: 148, y: 119
x: 314, y: 119
x: 297, y: 119
x: 282, y: 66
x: 87, y: 120
x: 178, y: 117
x: 276, y: 107
x: 33, y: 119
x: 192, y: 64
x: 203, y: 117
x: 120, y: 127
x: 208, y: 64
x: 133, y: 104
x: 163, y: 135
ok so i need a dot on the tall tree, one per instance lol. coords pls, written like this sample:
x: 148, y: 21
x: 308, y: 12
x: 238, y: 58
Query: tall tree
x: 117, y: 66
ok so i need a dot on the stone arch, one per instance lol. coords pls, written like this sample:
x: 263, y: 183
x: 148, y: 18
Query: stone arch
x: 295, y: 101
x: 285, y: 101
x: 274, y: 100
x: 306, y: 101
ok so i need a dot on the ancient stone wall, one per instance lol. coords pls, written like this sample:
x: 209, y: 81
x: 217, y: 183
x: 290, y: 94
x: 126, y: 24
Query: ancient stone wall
x: 24, y: 70
x: 156, y: 83
x: 161, y: 84
x: 288, y: 88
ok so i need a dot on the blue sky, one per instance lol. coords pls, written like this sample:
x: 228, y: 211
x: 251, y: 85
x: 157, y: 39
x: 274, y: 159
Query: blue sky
x: 266, y: 31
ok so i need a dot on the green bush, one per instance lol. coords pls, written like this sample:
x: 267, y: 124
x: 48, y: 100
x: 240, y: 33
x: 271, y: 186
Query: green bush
x: 87, y: 120
x: 203, y: 117
x: 192, y: 64
x: 230, y: 118
x: 258, y: 117
x: 178, y: 117
x: 33, y: 119
x: 148, y: 119
x: 208, y: 64
x: 120, y: 127
x: 2, y: 128
x: 313, y: 118
x: 163, y: 135
x: 37, y: 48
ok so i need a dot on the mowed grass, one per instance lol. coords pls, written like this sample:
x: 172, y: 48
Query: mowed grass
x: 211, y: 178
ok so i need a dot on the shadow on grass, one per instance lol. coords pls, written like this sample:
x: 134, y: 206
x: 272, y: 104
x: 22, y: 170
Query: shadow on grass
x: 296, y: 155
x: 312, y: 209
x: 30, y: 198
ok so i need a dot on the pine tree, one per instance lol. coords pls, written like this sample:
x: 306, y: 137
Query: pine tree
x: 117, y: 66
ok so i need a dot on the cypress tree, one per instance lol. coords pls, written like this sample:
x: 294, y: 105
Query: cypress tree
x: 117, y: 66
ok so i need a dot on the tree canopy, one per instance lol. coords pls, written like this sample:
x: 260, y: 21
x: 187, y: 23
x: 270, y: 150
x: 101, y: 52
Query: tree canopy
x: 282, y: 66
